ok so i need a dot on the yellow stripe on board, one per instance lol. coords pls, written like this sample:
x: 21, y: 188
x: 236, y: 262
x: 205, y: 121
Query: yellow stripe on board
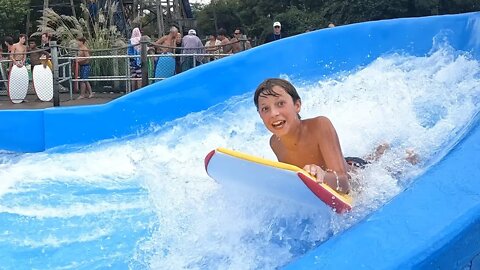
x: 281, y: 165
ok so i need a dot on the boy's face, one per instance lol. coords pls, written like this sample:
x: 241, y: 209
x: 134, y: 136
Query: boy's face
x: 279, y: 113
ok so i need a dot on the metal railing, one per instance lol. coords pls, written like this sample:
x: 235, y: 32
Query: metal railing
x: 65, y: 68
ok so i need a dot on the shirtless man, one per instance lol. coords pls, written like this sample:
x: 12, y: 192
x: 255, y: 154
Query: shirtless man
x: 19, y: 50
x: 239, y: 41
x: 167, y: 43
x: 9, y: 43
x: 225, y: 45
x: 84, y: 63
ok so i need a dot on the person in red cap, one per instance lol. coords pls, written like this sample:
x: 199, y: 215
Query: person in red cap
x: 277, y: 33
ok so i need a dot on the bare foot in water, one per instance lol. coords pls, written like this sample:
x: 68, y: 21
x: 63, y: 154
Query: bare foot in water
x: 410, y: 154
x: 379, y: 151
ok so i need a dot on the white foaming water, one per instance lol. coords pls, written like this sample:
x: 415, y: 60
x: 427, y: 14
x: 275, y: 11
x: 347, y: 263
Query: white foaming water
x: 423, y: 103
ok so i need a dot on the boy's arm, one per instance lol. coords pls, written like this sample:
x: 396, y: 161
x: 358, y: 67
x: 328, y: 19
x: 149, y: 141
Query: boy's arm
x: 329, y: 144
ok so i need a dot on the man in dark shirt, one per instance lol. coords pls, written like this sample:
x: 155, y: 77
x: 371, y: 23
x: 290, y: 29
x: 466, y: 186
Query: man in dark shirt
x: 276, y: 35
x: 45, y: 43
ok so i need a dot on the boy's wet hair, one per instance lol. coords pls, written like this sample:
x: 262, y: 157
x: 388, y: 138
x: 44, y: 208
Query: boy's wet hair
x: 266, y: 89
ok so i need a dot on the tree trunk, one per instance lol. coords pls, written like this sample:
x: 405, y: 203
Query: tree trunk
x: 73, y: 9
x: 45, y: 6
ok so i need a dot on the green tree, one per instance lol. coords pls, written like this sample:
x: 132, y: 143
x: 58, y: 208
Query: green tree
x: 297, y: 16
x: 219, y: 14
x: 13, y: 16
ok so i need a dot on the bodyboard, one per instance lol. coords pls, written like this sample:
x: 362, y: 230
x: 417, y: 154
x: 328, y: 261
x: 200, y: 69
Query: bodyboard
x: 165, y: 66
x: 43, y: 82
x: 18, y: 84
x: 274, y: 178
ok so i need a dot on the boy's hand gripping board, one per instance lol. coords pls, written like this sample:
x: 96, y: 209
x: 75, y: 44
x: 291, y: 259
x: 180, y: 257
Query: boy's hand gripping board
x: 273, y: 178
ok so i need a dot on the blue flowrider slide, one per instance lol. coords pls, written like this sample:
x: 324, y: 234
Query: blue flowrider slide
x: 122, y: 185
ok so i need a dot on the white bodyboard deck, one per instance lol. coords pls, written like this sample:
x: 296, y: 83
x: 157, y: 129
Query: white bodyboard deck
x: 43, y: 82
x: 18, y: 84
x: 277, y: 179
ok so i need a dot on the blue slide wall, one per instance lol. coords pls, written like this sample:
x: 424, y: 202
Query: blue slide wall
x: 435, y: 223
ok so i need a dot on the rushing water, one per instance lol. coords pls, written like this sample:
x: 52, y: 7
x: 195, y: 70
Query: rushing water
x: 147, y: 203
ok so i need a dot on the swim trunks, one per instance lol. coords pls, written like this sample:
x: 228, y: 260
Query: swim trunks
x: 357, y: 162
x: 84, y: 71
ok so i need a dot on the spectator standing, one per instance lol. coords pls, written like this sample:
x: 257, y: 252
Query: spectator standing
x: 135, y: 61
x: 191, y: 45
x: 178, y: 51
x: 9, y: 43
x: 277, y: 33
x: 92, y: 10
x: 45, y: 42
x: 167, y: 43
x: 84, y: 64
x: 212, y: 46
x: 34, y: 55
x: 19, y: 50
x: 225, y: 46
x: 239, y: 41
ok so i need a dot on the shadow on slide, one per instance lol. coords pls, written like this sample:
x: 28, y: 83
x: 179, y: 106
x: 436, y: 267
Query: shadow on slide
x: 433, y: 224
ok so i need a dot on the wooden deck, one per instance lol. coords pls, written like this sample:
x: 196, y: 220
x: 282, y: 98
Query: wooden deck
x: 32, y: 101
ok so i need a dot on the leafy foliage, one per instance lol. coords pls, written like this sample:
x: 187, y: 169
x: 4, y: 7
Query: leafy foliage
x: 12, y: 16
x: 298, y: 16
x: 100, y: 32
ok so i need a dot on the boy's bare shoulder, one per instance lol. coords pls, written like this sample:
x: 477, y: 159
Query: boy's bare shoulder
x: 274, y: 144
x: 319, y: 120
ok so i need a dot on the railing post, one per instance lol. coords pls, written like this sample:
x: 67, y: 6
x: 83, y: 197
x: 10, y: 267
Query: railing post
x: 56, y: 84
x: 116, y: 72
x: 143, y: 57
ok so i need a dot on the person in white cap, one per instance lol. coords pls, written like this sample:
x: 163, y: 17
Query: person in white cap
x: 191, y: 45
x: 277, y: 33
